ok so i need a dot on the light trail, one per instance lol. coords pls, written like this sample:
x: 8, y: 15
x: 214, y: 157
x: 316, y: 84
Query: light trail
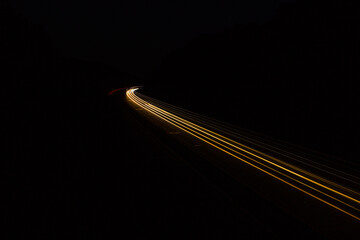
x: 243, y: 135
x: 333, y: 194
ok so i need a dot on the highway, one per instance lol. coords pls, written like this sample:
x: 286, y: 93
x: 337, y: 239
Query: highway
x: 319, y: 193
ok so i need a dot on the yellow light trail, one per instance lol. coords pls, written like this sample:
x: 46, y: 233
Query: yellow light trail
x: 291, y: 175
x: 238, y: 133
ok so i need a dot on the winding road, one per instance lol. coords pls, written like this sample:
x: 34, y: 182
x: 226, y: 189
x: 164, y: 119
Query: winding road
x: 319, y: 193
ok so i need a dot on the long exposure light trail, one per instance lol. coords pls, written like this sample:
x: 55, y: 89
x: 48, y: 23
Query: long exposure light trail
x: 242, y: 135
x: 333, y: 194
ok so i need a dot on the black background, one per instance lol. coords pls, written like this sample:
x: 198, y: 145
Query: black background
x: 287, y: 70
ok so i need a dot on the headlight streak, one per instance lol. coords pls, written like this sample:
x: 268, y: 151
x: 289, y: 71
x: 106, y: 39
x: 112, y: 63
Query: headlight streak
x: 288, y: 171
x: 201, y: 129
x: 225, y: 129
x: 203, y: 136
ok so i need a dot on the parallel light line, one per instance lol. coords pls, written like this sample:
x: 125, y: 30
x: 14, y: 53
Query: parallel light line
x: 208, y: 137
x: 285, y: 153
x: 208, y: 132
x: 178, y: 124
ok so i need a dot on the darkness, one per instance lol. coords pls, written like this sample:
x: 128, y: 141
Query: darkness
x: 286, y: 69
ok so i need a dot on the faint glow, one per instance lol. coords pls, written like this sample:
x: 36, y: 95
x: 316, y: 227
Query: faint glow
x: 115, y: 90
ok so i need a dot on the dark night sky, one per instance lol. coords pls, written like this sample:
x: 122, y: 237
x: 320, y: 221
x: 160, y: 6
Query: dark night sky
x: 303, y: 51
x: 136, y: 35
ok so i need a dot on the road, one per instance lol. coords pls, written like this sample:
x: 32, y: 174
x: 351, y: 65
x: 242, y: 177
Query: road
x: 317, y: 192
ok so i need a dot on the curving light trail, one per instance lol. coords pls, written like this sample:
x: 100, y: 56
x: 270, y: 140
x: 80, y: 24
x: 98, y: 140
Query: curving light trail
x: 329, y: 192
